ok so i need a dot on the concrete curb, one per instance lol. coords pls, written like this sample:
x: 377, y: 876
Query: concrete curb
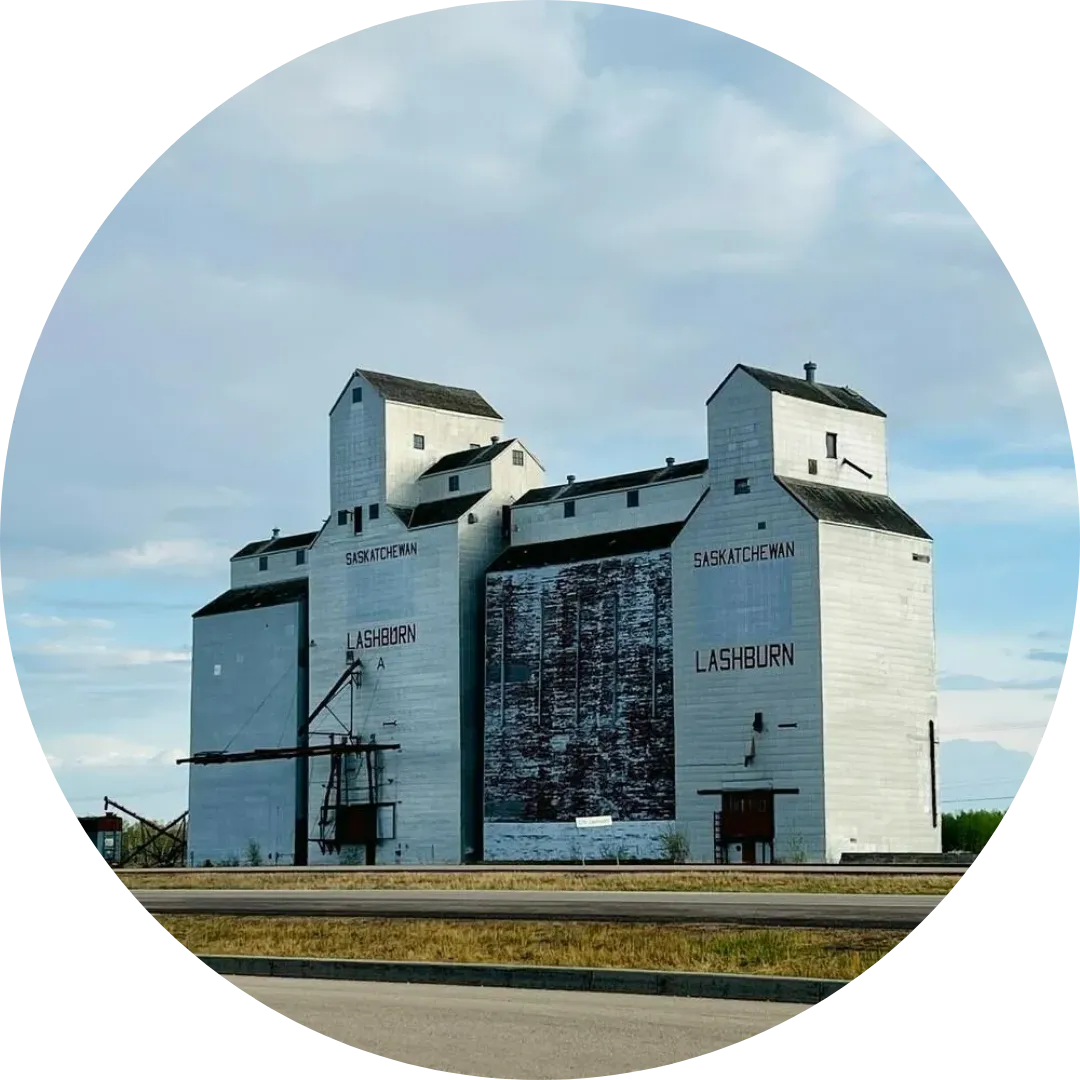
x: 607, y: 980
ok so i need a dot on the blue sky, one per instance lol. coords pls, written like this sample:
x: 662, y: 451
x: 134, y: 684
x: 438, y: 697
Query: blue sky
x: 589, y: 214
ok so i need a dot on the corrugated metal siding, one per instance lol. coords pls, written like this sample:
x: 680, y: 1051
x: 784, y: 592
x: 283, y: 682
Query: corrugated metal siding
x: 246, y: 679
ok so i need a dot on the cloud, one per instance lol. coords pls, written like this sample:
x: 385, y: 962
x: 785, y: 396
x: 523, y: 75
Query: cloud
x: 1013, y: 718
x: 990, y: 495
x: 98, y: 751
x: 166, y: 555
x: 100, y: 654
x: 180, y: 558
x: 978, y: 682
x: 48, y: 760
x: 1048, y: 656
x: 52, y: 622
x: 929, y: 219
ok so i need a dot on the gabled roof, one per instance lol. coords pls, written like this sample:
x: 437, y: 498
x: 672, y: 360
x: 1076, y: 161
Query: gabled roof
x: 465, y: 459
x: 839, y: 397
x: 440, y: 512
x: 256, y: 596
x: 623, y: 481
x: 282, y: 543
x: 843, y: 506
x: 609, y: 545
x: 427, y: 395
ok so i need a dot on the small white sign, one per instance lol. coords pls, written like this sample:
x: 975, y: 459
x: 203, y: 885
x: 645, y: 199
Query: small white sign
x: 592, y: 822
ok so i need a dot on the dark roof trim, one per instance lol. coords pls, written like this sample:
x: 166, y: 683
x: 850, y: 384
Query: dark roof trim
x: 427, y: 395
x: 441, y: 512
x: 839, y: 397
x: 282, y: 543
x: 251, y: 597
x: 610, y: 545
x: 607, y: 484
x: 466, y: 459
x: 843, y: 506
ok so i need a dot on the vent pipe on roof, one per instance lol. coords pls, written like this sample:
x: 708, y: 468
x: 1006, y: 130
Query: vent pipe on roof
x: 670, y: 461
x: 571, y: 479
x: 494, y: 439
x: 275, y: 533
x: 810, y: 367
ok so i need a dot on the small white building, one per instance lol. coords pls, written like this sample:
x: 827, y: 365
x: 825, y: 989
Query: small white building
x: 738, y: 650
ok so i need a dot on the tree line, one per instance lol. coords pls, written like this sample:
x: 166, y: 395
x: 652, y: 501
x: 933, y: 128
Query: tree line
x: 969, y: 830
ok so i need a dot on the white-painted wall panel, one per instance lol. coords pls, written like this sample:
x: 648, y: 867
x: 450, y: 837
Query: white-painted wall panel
x: 280, y: 566
x: 877, y: 620
x: 410, y: 692
x: 443, y: 433
x: 800, y: 429
x: 715, y: 708
x: 658, y: 504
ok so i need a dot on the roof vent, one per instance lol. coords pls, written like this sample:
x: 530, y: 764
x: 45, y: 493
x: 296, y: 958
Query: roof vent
x: 494, y: 439
x: 275, y: 533
x: 571, y: 479
x: 670, y: 461
x: 810, y: 367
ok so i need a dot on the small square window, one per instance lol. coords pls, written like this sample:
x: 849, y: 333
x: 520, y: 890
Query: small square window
x: 418, y: 442
x: 373, y: 512
x: 343, y: 517
x: 830, y: 444
x: 633, y: 498
x: 811, y: 466
x: 301, y: 557
x: 742, y: 486
x: 455, y: 483
x: 264, y: 562
x: 357, y: 394
x: 568, y: 509
x: 518, y: 456
x: 357, y: 520
x: 761, y: 525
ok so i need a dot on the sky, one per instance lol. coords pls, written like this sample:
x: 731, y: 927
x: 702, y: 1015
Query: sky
x: 587, y: 213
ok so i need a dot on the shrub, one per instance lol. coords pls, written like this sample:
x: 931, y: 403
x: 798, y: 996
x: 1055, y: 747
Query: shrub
x: 675, y: 845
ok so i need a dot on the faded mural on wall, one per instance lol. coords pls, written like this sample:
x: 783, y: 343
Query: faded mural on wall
x: 578, y: 697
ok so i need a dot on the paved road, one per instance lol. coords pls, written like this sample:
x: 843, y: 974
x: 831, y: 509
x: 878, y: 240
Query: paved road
x: 516, y: 1034
x: 591, y: 868
x: 751, y: 909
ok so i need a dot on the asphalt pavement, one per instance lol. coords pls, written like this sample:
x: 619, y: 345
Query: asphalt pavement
x: 865, y: 911
x: 515, y: 1034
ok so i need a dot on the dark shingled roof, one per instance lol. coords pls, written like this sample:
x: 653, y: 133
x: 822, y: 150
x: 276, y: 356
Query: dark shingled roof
x: 840, y: 397
x: 256, y: 596
x: 282, y: 543
x: 601, y: 546
x: 429, y: 395
x: 614, y: 483
x: 441, y: 512
x: 846, y: 507
x: 464, y: 459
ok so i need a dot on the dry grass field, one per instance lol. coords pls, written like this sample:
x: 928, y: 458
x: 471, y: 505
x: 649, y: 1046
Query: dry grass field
x: 832, y: 954
x: 673, y: 881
